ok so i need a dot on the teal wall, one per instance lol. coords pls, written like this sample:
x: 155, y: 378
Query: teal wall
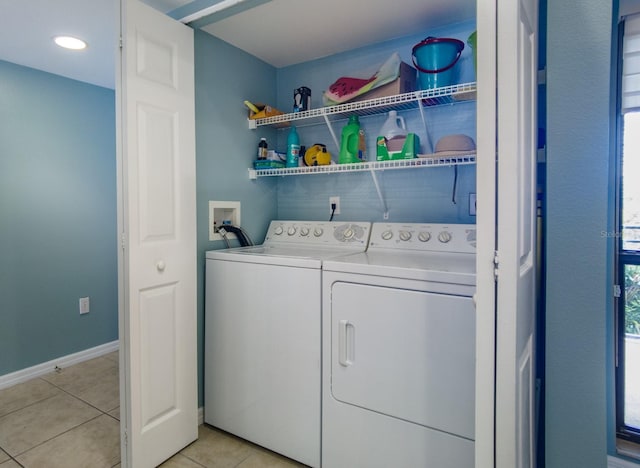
x: 225, y: 147
x: 57, y: 216
x: 579, y: 295
x: 423, y: 195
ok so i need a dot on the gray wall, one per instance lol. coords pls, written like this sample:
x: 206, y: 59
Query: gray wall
x: 57, y: 216
x: 578, y: 304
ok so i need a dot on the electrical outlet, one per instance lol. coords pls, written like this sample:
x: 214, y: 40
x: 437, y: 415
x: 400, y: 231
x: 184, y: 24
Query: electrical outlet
x: 472, y: 204
x: 84, y: 305
x: 335, y: 200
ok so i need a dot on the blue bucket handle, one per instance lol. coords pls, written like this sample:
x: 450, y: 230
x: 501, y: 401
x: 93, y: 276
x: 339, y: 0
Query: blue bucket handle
x: 433, y: 40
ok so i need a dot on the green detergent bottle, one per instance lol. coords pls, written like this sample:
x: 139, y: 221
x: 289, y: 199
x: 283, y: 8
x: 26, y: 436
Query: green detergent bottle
x: 349, y: 144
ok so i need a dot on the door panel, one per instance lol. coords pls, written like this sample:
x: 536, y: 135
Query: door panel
x: 516, y: 300
x: 486, y: 11
x: 155, y: 98
x: 405, y: 354
x: 158, y: 345
x: 156, y: 153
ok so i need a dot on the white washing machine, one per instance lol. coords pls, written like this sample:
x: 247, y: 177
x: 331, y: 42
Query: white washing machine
x: 262, y: 334
x: 399, y: 350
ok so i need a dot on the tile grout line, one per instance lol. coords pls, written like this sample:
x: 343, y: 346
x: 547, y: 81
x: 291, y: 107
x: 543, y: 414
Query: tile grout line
x: 57, y: 435
x: 101, y: 413
x: 78, y: 398
x: 33, y: 402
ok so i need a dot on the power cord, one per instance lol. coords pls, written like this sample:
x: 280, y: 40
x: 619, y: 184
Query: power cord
x: 455, y: 184
x: 333, y: 211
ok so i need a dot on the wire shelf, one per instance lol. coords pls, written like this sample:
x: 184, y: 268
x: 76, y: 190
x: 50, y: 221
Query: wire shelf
x: 365, y: 166
x: 429, y: 98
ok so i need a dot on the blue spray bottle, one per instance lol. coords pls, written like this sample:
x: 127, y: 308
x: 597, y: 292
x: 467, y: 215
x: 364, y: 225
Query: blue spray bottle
x: 293, y: 148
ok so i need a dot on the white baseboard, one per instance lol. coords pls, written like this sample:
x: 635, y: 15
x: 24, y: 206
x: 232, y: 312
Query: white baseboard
x: 23, y: 375
x: 614, y: 462
x: 201, y: 416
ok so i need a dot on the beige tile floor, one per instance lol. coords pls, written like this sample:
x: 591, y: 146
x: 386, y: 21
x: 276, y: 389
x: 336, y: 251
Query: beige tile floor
x: 70, y: 419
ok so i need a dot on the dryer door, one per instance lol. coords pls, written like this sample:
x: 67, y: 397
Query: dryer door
x: 405, y: 354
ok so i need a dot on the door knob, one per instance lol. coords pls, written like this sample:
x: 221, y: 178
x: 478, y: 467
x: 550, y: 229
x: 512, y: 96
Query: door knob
x: 160, y: 265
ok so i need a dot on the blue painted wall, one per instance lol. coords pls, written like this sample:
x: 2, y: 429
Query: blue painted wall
x: 423, y: 195
x: 579, y: 301
x: 225, y: 76
x: 57, y: 216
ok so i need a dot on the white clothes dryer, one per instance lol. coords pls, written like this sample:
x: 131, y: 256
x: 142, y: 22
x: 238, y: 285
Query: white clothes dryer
x: 262, y: 378
x: 399, y: 350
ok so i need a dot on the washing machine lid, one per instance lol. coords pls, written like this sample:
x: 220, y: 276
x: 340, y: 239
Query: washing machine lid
x: 289, y: 255
x: 441, y: 267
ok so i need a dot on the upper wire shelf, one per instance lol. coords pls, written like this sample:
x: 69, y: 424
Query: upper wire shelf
x: 428, y: 97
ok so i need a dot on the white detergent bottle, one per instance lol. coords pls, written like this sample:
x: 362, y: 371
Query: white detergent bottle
x: 393, y: 127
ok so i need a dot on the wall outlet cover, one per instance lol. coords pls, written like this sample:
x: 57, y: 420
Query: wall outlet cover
x: 84, y: 305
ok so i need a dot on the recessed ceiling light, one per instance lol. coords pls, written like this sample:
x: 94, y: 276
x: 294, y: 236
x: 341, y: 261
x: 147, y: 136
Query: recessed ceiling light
x: 69, y: 42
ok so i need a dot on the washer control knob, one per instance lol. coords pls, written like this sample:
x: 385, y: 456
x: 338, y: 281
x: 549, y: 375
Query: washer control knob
x: 348, y: 234
x: 424, y: 236
x: 444, y: 237
x: 386, y: 235
x: 304, y: 231
x: 405, y: 236
x: 292, y: 230
x: 318, y: 231
x: 278, y: 230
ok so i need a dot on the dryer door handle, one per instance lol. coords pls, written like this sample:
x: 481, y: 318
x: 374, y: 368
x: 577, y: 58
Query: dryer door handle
x: 346, y: 343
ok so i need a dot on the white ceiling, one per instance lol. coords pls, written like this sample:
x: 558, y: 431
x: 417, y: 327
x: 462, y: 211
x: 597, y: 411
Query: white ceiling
x: 285, y: 32
x: 280, y: 32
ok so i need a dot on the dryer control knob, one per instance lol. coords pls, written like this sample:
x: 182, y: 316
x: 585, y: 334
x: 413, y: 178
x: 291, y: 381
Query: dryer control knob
x: 304, y: 231
x: 278, y: 230
x: 348, y: 233
x: 292, y: 230
x: 424, y: 236
x: 318, y: 232
x: 444, y: 237
x: 386, y: 235
x: 405, y: 235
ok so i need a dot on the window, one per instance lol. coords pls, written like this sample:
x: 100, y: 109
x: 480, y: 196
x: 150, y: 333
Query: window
x: 628, y: 372
x: 628, y: 246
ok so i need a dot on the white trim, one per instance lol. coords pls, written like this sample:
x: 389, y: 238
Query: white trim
x: 23, y: 375
x: 614, y: 462
x: 201, y: 416
x: 223, y: 5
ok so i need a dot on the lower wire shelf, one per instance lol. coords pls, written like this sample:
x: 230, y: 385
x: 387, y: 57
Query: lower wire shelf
x: 366, y: 166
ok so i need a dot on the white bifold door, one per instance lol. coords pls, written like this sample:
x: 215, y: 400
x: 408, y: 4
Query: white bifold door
x: 157, y: 225
x: 506, y: 296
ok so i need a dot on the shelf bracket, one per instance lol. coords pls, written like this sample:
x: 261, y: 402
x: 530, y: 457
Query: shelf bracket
x: 333, y: 134
x: 385, y: 210
x: 429, y: 143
